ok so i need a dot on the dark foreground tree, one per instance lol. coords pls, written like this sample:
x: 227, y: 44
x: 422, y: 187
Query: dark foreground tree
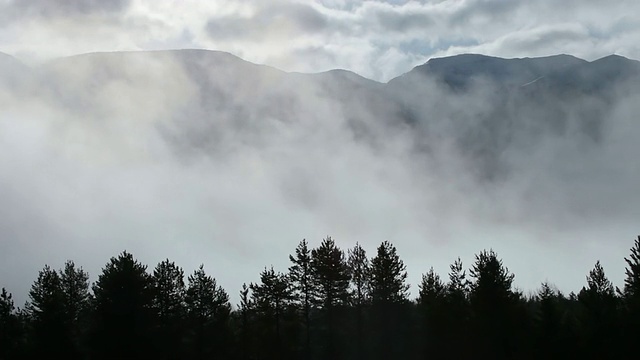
x: 360, y: 272
x: 46, y: 314
x: 431, y: 306
x: 331, y: 275
x: 74, y: 282
x: 272, y: 297
x: 169, y: 309
x: 304, y: 290
x: 600, y: 323
x: 389, y: 296
x: 208, y: 310
x: 10, y: 334
x: 493, y: 303
x: 631, y: 297
x: 123, y: 320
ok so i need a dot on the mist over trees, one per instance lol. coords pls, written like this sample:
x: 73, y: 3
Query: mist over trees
x: 329, y: 304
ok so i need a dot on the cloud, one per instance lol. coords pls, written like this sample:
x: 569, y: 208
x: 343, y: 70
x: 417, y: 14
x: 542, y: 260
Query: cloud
x: 47, y: 9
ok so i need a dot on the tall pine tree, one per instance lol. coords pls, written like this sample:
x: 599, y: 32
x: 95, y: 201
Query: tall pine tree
x: 304, y: 289
x: 389, y: 296
x: 123, y: 317
x: 331, y: 275
x: 46, y: 312
x: 208, y: 311
x: 169, y: 309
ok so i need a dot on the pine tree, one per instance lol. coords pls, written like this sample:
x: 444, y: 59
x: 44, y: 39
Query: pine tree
x: 46, y: 312
x: 245, y: 310
x: 389, y: 296
x: 9, y: 328
x: 360, y: 271
x: 208, y: 310
x: 272, y: 298
x: 493, y: 302
x: 457, y: 311
x: 388, y: 276
x: 431, y: 303
x: 600, y: 318
x: 123, y: 316
x: 631, y: 297
x: 74, y: 284
x: 304, y: 289
x: 331, y: 275
x: 631, y: 292
x: 169, y: 307
x: 549, y: 333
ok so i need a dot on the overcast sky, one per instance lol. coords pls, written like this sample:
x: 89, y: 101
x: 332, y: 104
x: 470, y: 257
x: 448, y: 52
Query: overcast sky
x: 85, y: 172
x: 377, y: 39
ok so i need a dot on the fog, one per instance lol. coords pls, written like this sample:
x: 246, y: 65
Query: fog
x: 203, y: 158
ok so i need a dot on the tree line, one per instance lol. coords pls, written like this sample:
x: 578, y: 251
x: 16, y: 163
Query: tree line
x: 329, y: 304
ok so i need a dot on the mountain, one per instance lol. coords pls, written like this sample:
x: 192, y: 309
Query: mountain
x: 206, y: 102
x: 11, y: 70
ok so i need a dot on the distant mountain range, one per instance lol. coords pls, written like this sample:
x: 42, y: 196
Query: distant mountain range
x: 489, y: 107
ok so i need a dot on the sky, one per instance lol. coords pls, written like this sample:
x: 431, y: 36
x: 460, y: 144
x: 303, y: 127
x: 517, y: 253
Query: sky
x: 376, y: 39
x: 151, y: 163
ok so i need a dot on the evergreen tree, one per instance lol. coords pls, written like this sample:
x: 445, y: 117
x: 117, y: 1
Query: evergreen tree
x: 631, y: 292
x: 457, y: 311
x: 10, y: 337
x: 272, y: 298
x: 631, y: 297
x: 123, y: 316
x: 46, y: 312
x: 548, y: 324
x: 304, y: 289
x: 600, y: 319
x: 245, y: 315
x: 208, y: 310
x: 331, y: 275
x: 493, y: 302
x: 388, y: 276
x: 389, y: 296
x: 74, y: 284
x: 431, y: 303
x: 169, y: 308
x: 360, y: 271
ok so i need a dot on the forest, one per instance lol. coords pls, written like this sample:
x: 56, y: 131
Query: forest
x: 328, y: 304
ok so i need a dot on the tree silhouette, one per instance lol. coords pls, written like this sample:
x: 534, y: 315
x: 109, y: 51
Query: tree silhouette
x: 600, y: 320
x: 549, y: 342
x: 493, y: 301
x: 10, y: 336
x: 457, y: 311
x: 388, y: 276
x: 123, y: 316
x: 245, y: 319
x: 331, y: 275
x: 46, y: 313
x: 272, y: 298
x: 208, y: 310
x: 389, y: 294
x: 169, y: 308
x: 431, y: 303
x: 631, y: 292
x: 74, y: 283
x: 360, y: 272
x: 304, y: 289
x: 631, y: 297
